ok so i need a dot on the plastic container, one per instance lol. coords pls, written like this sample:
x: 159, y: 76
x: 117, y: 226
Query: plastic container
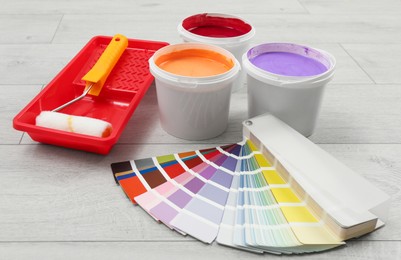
x: 295, y: 99
x: 227, y: 31
x: 193, y: 107
x: 120, y: 95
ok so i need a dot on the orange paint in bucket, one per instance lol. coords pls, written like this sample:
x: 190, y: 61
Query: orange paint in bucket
x: 195, y: 63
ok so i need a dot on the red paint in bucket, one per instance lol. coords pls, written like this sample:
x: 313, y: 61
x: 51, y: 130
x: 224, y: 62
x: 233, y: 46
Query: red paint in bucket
x: 216, y: 26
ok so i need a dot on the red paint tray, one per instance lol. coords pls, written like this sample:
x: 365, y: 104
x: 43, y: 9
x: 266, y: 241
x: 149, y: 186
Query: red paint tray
x: 120, y: 95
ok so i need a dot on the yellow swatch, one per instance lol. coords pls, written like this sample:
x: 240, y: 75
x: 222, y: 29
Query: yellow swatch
x: 285, y: 195
x: 252, y: 146
x: 272, y: 177
x: 260, y: 158
x: 298, y: 214
x: 315, y: 236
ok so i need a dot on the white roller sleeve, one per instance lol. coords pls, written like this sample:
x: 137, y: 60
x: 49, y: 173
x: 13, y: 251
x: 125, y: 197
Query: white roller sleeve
x: 74, y: 124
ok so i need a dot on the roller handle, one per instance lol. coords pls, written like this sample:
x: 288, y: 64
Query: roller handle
x: 100, y: 71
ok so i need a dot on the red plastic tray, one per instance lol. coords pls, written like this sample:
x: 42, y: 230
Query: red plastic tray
x: 120, y: 95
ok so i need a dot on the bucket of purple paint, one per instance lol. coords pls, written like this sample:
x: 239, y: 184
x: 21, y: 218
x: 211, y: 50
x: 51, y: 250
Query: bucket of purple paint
x: 288, y: 81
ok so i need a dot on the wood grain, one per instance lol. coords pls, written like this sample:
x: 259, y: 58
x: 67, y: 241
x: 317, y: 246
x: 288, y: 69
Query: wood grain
x: 352, y: 7
x: 149, y: 8
x: 28, y: 28
x: 11, y: 102
x: 368, y: 250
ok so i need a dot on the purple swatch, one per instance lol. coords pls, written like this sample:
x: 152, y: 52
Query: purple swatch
x: 222, y: 178
x: 194, y: 185
x: 164, y: 212
x: 180, y: 198
x: 230, y: 164
x: 214, y: 194
x: 208, y: 172
x: 221, y: 160
x: 205, y: 210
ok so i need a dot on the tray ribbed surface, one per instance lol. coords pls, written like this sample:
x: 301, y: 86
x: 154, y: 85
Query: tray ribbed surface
x: 130, y: 72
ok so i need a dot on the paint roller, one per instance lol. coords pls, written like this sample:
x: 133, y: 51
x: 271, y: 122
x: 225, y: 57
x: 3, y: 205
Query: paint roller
x: 95, y: 80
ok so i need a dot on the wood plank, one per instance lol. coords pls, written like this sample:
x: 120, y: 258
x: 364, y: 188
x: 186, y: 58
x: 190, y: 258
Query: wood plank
x: 297, y: 28
x: 28, y: 28
x: 378, y: 61
x: 12, y: 102
x: 145, y: 7
x: 34, y: 64
x: 79, y: 28
x: 180, y: 250
x: 360, y: 114
x: 352, y: 7
x: 328, y: 28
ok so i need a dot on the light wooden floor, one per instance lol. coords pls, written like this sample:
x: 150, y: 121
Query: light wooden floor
x: 57, y: 203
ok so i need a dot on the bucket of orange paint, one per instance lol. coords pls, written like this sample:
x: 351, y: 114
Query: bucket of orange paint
x: 193, y: 86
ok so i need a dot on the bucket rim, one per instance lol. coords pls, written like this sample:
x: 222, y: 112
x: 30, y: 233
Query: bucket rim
x: 289, y: 81
x: 188, y: 82
x: 223, y: 41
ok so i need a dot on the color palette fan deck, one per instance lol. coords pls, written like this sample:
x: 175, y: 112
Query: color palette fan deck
x: 243, y: 196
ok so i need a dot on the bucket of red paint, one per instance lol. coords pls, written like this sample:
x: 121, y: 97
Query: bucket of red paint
x: 193, y: 86
x: 288, y: 81
x: 227, y: 31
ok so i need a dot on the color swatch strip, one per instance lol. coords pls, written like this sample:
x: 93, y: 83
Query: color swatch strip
x: 231, y: 194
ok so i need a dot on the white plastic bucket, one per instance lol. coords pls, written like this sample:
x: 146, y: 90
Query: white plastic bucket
x: 236, y: 42
x: 296, y: 100
x: 193, y: 108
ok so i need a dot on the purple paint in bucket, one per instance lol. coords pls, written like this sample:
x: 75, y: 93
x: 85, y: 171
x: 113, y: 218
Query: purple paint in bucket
x: 287, y: 80
x: 288, y: 64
